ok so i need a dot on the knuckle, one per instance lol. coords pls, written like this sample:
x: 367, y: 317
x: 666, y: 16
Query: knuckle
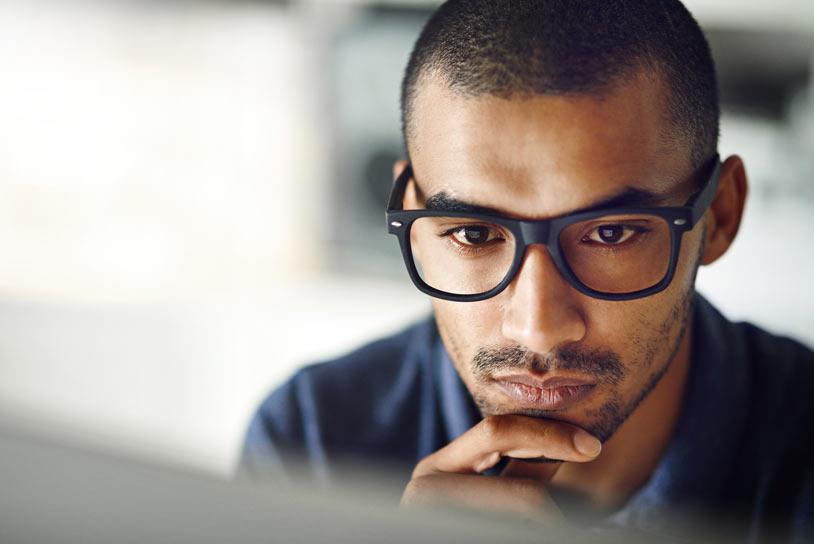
x: 426, y: 466
x: 421, y: 468
x: 410, y: 495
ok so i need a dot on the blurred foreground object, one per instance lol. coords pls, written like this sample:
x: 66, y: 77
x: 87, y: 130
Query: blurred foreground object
x: 53, y: 494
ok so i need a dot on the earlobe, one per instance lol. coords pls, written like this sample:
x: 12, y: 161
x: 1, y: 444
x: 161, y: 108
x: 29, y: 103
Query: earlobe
x: 725, y: 213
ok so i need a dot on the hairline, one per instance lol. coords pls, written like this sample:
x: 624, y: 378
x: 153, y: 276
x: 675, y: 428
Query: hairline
x: 655, y: 70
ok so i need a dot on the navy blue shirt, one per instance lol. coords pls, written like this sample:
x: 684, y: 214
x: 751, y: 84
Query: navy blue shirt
x: 742, y: 454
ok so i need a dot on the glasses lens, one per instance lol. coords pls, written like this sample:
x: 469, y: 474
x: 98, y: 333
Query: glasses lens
x: 618, y: 253
x: 461, y: 256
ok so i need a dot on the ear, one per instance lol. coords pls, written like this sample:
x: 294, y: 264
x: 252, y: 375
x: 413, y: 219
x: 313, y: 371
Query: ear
x: 411, y: 198
x: 398, y: 168
x: 726, y: 210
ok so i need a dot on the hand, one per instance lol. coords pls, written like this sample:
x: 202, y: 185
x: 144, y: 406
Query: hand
x: 452, y: 474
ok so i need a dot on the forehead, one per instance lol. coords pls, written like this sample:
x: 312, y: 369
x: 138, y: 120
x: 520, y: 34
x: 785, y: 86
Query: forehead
x: 545, y: 155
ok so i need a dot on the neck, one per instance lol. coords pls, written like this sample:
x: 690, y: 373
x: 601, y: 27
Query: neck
x: 630, y: 456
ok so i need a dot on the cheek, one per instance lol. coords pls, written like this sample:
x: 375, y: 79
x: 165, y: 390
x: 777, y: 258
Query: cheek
x: 640, y: 332
x: 465, y: 326
x: 619, y: 326
x: 632, y: 324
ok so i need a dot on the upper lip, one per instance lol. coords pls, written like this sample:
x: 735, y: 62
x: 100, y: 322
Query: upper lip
x: 545, y: 382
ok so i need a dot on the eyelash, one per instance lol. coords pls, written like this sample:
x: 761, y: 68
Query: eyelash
x: 467, y: 250
x: 639, y: 231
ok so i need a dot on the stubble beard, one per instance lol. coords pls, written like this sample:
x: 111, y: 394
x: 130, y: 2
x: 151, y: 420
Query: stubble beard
x: 602, y: 364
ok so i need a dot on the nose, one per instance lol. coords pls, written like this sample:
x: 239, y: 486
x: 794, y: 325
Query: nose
x: 542, y: 312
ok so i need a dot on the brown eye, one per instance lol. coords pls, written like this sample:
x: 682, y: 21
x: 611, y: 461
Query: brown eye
x: 611, y: 234
x: 473, y: 235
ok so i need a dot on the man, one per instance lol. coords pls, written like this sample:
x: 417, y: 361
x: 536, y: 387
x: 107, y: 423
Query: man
x: 562, y: 188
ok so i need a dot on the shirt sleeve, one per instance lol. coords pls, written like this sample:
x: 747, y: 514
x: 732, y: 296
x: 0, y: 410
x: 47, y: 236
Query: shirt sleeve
x: 283, y: 437
x: 370, y: 408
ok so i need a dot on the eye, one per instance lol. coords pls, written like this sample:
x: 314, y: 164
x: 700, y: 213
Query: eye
x: 474, y: 235
x: 611, y: 234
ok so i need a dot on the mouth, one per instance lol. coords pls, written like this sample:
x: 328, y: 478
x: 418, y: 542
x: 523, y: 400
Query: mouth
x: 548, y: 393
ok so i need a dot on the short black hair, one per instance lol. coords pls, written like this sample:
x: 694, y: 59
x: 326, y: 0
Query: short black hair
x: 519, y: 48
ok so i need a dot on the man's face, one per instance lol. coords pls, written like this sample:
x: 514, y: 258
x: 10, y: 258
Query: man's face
x: 540, y: 347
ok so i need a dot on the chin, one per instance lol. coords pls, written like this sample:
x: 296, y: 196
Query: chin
x: 600, y: 419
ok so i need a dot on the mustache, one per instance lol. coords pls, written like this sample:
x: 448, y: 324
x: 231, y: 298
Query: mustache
x: 604, y: 365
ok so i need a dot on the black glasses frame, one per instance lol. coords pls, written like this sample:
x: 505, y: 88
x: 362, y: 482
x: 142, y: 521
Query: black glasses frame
x: 546, y: 232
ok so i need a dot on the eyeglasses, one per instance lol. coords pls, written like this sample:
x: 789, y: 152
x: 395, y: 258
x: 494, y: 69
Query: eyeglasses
x: 610, y: 253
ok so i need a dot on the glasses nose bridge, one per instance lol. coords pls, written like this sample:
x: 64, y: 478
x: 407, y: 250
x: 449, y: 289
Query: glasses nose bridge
x: 536, y: 232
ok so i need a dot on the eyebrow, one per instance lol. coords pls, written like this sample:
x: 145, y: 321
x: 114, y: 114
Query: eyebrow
x: 443, y: 202
x: 633, y: 198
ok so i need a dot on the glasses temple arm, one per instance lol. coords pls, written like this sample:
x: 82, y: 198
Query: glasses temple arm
x: 702, y: 200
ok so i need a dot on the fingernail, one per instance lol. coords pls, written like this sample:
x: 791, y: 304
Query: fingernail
x: 587, y: 444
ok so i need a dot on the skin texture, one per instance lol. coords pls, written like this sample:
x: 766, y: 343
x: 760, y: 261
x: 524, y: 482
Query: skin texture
x: 535, y: 158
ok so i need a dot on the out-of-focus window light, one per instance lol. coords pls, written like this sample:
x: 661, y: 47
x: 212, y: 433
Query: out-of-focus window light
x: 152, y: 149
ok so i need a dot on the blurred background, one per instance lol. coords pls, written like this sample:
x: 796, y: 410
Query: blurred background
x: 192, y: 196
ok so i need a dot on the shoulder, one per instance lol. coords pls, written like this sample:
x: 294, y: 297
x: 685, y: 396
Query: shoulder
x: 780, y: 409
x: 371, y: 366
x: 741, y: 453
x: 782, y: 414
x: 778, y: 370
x: 781, y: 376
x: 776, y: 466
x: 349, y: 406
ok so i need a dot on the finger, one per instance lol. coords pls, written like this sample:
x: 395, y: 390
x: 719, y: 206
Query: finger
x: 540, y: 472
x: 523, y: 437
x: 517, y: 496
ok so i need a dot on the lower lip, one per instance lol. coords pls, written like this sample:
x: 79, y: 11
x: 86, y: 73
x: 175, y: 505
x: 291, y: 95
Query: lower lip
x: 555, y: 398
